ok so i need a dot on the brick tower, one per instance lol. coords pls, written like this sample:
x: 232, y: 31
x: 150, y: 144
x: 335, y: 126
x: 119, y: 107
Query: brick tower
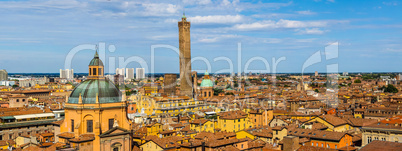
x: 185, y: 57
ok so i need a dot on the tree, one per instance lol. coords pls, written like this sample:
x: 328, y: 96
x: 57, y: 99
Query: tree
x: 229, y: 93
x: 236, y: 84
x: 390, y: 89
x: 316, y: 90
x: 217, y: 91
x: 357, y: 81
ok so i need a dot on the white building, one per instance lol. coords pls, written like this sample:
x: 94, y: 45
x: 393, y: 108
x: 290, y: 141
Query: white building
x: 67, y: 74
x: 140, y: 73
x: 110, y: 77
x: 33, y: 81
x: 120, y: 71
x: 7, y: 83
x: 129, y: 73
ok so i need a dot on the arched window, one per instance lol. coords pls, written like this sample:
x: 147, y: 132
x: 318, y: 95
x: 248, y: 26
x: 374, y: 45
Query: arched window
x: 18, y: 100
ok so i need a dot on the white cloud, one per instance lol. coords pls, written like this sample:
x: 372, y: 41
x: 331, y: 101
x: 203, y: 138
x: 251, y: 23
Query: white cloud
x: 160, y: 9
x: 194, y: 2
x: 204, y: 2
x: 332, y: 1
x: 216, y: 38
x: 269, y: 24
x: 307, y: 12
x: 312, y: 31
x: 272, y: 40
x: 221, y: 19
x: 394, y: 3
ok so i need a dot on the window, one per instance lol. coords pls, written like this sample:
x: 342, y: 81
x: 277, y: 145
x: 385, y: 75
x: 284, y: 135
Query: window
x: 10, y: 136
x: 327, y: 146
x: 111, y: 122
x: 94, y: 71
x: 100, y: 71
x: 90, y: 73
x: 72, y: 125
x: 312, y: 144
x: 18, y: 100
x: 316, y: 144
x: 89, y: 126
x: 322, y: 145
x: 1, y: 137
x: 336, y: 146
x: 23, y: 100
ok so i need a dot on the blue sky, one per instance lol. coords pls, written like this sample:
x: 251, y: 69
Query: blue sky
x: 36, y: 36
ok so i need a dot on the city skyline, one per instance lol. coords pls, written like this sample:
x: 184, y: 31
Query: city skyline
x: 294, y: 30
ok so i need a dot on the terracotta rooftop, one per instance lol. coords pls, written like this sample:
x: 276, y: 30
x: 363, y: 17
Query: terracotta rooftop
x: 46, y: 134
x: 333, y: 120
x: 315, y: 134
x: 382, y: 146
x: 231, y: 115
x: 199, y: 121
x: 67, y: 135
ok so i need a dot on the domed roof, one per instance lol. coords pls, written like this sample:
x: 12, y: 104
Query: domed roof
x: 96, y: 61
x: 107, y: 92
x: 207, y: 83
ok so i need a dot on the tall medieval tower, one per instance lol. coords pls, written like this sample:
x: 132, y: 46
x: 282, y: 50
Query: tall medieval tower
x: 185, y: 57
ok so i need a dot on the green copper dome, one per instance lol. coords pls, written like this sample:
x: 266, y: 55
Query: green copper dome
x: 107, y: 92
x: 207, y: 83
x: 96, y: 61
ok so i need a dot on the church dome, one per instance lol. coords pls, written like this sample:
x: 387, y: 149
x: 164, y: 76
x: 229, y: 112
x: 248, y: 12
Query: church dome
x: 107, y: 92
x: 206, y: 82
x: 95, y: 86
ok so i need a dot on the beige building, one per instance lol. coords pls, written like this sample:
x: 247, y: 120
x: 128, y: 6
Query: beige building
x: 386, y: 130
x: 3, y: 75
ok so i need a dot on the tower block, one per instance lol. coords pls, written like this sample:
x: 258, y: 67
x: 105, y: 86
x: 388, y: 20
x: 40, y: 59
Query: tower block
x: 185, y: 57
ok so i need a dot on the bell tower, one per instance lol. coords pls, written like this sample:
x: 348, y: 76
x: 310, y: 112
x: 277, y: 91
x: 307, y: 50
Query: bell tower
x: 186, y: 87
